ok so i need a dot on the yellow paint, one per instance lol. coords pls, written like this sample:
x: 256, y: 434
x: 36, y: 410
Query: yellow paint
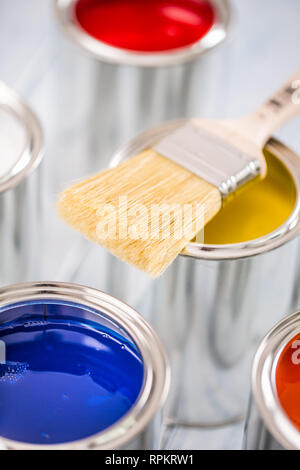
x: 257, y: 211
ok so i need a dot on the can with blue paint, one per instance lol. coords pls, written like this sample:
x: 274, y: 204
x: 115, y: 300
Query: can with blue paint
x: 79, y: 370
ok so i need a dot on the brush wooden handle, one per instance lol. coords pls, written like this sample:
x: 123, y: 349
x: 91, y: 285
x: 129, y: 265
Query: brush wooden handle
x: 280, y: 108
x: 251, y: 133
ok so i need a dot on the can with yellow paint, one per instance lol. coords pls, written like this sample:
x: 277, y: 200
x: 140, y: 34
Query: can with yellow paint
x: 220, y: 297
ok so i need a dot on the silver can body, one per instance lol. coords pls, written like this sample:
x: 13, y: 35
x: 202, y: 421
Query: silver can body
x: 21, y: 231
x: 20, y: 195
x: 213, y: 306
x: 141, y: 427
x: 268, y: 426
x: 257, y: 436
x: 211, y: 315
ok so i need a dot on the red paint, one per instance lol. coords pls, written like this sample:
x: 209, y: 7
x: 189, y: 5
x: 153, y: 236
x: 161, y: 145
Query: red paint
x: 288, y: 380
x: 146, y: 25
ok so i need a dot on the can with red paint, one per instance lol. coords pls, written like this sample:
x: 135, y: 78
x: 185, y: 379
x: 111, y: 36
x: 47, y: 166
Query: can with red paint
x: 274, y: 413
x: 144, y: 64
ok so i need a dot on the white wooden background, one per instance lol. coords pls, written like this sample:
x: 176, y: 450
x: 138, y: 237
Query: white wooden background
x: 262, y: 50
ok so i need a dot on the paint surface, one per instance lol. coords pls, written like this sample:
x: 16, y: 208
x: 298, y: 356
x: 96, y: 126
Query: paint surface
x: 288, y: 380
x: 257, y: 211
x: 63, y: 379
x: 147, y: 25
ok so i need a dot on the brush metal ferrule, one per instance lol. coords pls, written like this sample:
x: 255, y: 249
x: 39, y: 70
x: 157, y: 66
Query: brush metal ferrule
x: 209, y: 157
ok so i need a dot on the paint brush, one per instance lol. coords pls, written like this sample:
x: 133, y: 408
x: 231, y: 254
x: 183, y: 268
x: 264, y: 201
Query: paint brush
x: 147, y: 209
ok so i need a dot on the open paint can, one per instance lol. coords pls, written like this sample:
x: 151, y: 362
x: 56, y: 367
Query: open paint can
x: 78, y: 370
x: 21, y: 144
x: 130, y: 79
x: 218, y: 299
x: 274, y: 414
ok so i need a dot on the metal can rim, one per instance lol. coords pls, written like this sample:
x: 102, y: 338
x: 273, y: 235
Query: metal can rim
x: 33, y: 151
x: 264, y: 244
x: 157, y: 372
x: 104, y: 52
x: 264, y: 386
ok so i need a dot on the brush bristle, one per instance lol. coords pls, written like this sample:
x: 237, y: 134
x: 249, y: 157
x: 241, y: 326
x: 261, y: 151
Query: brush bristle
x: 144, y: 182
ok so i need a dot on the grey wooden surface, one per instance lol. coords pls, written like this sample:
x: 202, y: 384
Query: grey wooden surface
x: 262, y: 50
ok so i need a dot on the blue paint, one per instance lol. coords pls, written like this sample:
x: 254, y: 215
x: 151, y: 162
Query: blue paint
x: 68, y: 374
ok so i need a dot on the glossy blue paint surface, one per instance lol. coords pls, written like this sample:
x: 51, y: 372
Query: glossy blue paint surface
x: 64, y: 378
